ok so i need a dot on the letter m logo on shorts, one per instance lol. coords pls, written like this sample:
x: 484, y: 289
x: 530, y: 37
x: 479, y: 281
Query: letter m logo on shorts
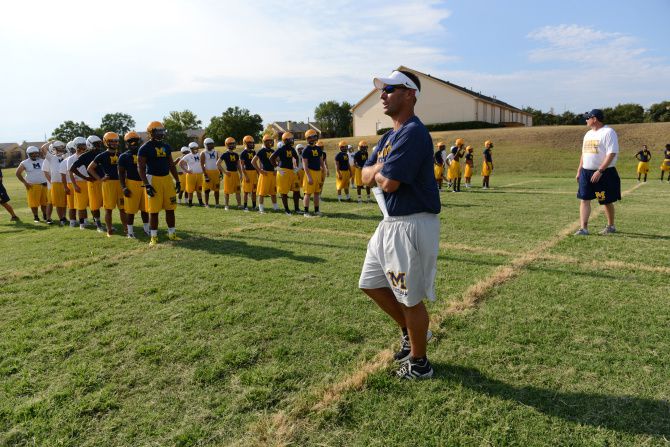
x: 397, y: 281
x: 600, y: 195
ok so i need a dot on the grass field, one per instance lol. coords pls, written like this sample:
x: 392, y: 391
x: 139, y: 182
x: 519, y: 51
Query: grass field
x: 251, y: 331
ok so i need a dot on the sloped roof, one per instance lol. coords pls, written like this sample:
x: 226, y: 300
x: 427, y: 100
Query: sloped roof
x: 32, y: 143
x: 296, y: 126
x: 452, y: 85
x: 6, y: 147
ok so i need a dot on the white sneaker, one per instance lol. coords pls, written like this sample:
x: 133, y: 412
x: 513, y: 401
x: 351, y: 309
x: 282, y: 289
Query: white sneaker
x: 609, y: 229
x: 581, y: 232
x: 226, y: 208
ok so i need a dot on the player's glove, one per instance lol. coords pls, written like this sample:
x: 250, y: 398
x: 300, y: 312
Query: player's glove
x: 177, y: 187
x: 150, y: 190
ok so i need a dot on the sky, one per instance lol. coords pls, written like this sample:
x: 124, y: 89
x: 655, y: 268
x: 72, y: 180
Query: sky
x: 78, y: 60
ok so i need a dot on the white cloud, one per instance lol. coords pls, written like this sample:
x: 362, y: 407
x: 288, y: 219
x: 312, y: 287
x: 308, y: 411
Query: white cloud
x: 79, y: 59
x: 578, y: 68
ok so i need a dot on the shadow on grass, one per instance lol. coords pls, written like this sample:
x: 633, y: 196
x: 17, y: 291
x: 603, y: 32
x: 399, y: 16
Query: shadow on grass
x: 628, y: 414
x: 353, y: 216
x: 23, y: 225
x: 362, y: 246
x: 643, y: 235
x: 234, y: 247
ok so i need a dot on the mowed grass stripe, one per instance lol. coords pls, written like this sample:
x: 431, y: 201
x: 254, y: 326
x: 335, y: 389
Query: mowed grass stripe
x: 283, y: 425
x: 112, y: 254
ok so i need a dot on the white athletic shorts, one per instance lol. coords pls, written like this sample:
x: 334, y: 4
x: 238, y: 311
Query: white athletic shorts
x: 402, y: 255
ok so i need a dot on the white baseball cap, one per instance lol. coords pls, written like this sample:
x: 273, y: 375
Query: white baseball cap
x: 396, y: 78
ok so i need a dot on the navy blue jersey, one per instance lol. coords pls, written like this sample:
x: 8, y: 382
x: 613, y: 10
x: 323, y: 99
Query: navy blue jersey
x: 286, y: 156
x: 129, y: 162
x: 264, y: 156
x: 487, y: 155
x: 312, y: 156
x: 156, y: 154
x: 438, y: 157
x: 468, y: 157
x: 246, y: 156
x: 643, y: 155
x: 342, y: 161
x: 109, y: 162
x: 666, y: 154
x: 360, y: 158
x: 85, y: 159
x: 230, y: 158
x: 408, y: 158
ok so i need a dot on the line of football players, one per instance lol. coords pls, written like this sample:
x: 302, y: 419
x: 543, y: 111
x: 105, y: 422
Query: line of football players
x: 448, y: 165
x: 89, y: 174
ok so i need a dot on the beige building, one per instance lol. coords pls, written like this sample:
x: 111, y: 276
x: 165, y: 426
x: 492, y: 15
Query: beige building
x: 298, y: 129
x: 440, y: 102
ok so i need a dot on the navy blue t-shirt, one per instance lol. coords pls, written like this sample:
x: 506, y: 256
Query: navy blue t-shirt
x: 487, y: 156
x: 156, y: 153
x: 129, y: 162
x: 230, y: 158
x: 109, y: 162
x: 85, y: 159
x: 264, y: 156
x: 312, y: 156
x: 342, y: 160
x: 246, y: 156
x: 360, y: 158
x: 644, y: 155
x: 408, y: 158
x: 285, y: 156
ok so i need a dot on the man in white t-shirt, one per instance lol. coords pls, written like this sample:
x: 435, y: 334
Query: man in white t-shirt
x: 34, y: 181
x: 63, y: 171
x: 53, y: 157
x: 190, y: 163
x: 597, y: 176
x: 212, y: 177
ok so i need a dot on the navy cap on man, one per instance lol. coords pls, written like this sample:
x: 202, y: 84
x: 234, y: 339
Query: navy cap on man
x: 597, y: 113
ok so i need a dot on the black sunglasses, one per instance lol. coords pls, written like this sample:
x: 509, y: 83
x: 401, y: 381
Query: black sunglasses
x: 392, y: 88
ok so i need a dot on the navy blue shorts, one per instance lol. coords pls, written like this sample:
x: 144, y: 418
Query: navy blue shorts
x: 607, y: 190
x: 4, y: 197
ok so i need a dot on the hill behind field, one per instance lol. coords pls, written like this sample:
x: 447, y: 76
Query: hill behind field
x: 547, y: 150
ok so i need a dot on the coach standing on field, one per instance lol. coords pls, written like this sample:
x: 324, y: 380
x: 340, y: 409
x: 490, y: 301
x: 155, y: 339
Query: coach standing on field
x: 596, y: 175
x: 401, y: 261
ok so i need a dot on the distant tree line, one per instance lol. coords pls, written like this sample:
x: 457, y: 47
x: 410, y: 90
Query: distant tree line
x: 621, y: 114
x: 333, y: 118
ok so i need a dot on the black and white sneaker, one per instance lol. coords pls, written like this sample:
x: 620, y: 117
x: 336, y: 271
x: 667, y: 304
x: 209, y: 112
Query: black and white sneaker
x: 36, y: 219
x: 49, y: 222
x: 413, y: 370
x: 405, y: 348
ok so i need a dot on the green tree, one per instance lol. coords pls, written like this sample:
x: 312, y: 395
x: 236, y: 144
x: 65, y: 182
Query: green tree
x: 658, y: 112
x: 120, y: 123
x: 624, y: 114
x: 182, y: 120
x: 176, y: 124
x: 234, y: 122
x: 334, y: 119
x: 69, y: 130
